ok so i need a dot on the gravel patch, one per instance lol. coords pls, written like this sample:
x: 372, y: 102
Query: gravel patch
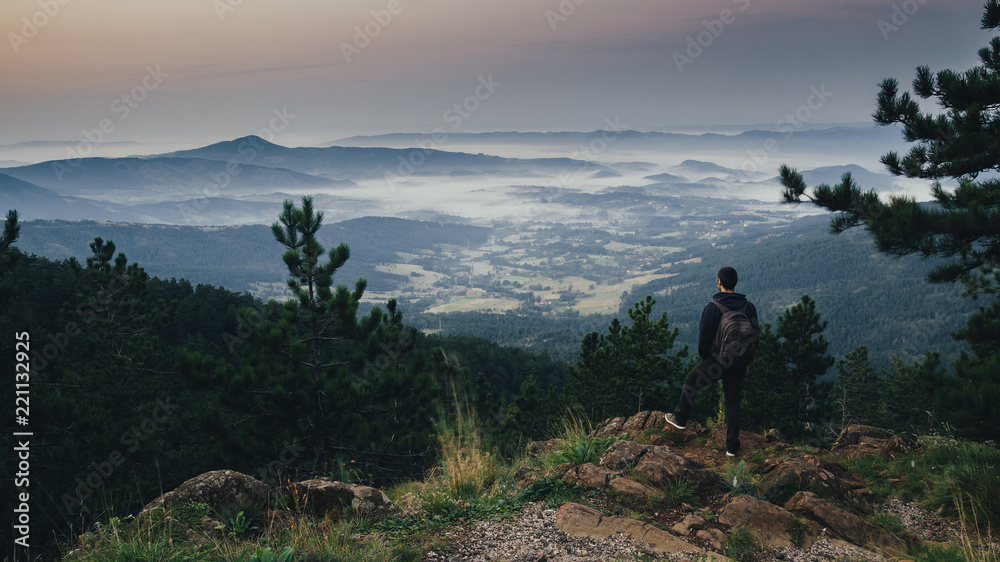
x: 533, y: 536
x: 920, y: 521
x: 822, y: 550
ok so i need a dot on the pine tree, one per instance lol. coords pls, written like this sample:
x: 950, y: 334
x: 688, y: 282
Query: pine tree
x: 768, y: 397
x: 962, y: 226
x: 319, y: 377
x: 908, y: 395
x: 620, y: 373
x: 301, y: 369
x: 782, y: 389
x: 859, y: 388
x: 11, y: 232
x: 110, y: 402
x: 532, y: 415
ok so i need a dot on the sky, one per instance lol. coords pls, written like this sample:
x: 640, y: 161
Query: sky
x: 309, y: 71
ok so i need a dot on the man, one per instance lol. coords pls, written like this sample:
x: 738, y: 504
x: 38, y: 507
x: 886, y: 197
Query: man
x: 731, y: 367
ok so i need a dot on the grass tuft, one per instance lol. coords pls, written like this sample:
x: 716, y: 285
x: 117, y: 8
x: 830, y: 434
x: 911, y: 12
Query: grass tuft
x: 740, y: 544
x: 579, y: 447
x: 466, y: 469
x: 741, y: 480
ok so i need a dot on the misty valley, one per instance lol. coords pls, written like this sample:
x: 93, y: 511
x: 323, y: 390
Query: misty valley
x: 558, y: 235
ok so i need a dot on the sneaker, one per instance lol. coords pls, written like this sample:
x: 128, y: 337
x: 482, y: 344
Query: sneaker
x: 672, y: 420
x: 728, y: 454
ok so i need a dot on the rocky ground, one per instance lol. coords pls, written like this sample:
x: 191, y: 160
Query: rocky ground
x: 795, y: 504
x: 534, y: 536
x: 683, y: 533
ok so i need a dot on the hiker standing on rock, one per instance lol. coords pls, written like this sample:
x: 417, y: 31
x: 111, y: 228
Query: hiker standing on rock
x: 727, y: 341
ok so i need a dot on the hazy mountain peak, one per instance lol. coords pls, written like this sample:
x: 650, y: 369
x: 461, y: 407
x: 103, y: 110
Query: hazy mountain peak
x: 249, y: 140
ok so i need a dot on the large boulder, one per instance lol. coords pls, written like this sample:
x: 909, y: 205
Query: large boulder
x: 610, y: 428
x: 644, y: 421
x: 784, y: 477
x: 772, y: 525
x: 323, y: 497
x: 221, y: 490
x: 537, y: 449
x: 622, y: 455
x: 595, y: 477
x: 864, y: 440
x: 660, y: 464
x: 582, y: 521
x: 845, y: 525
x: 589, y: 475
x: 650, y: 419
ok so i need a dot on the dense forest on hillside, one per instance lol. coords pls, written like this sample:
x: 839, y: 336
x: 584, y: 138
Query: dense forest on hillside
x: 138, y: 383
x: 239, y: 257
x: 869, y: 298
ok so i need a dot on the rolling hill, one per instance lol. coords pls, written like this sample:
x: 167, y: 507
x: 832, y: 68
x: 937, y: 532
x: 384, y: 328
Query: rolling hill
x: 354, y: 163
x: 159, y: 176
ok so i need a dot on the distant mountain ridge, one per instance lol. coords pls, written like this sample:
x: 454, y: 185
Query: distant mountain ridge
x: 33, y: 201
x: 343, y: 162
x: 876, y: 137
x: 174, y: 176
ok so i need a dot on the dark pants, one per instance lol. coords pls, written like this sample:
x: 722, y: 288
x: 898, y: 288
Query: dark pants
x: 704, y: 374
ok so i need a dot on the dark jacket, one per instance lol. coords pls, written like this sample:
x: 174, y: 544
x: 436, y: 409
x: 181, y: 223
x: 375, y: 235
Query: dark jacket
x: 711, y: 316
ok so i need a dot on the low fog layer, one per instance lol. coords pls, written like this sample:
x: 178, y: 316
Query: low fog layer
x: 456, y: 177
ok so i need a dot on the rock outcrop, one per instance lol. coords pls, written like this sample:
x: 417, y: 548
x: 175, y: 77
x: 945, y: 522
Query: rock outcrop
x: 661, y: 465
x: 773, y: 526
x: 845, y: 525
x: 784, y: 477
x: 228, y: 490
x: 800, y: 498
x: 322, y: 497
x: 583, y: 521
x: 601, y: 478
x: 658, y: 466
x: 863, y: 440
x: 221, y: 490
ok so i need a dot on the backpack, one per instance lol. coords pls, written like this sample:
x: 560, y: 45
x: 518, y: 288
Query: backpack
x: 736, y: 340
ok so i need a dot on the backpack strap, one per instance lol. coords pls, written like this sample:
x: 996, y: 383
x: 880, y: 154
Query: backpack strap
x: 717, y: 341
x: 724, y: 309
